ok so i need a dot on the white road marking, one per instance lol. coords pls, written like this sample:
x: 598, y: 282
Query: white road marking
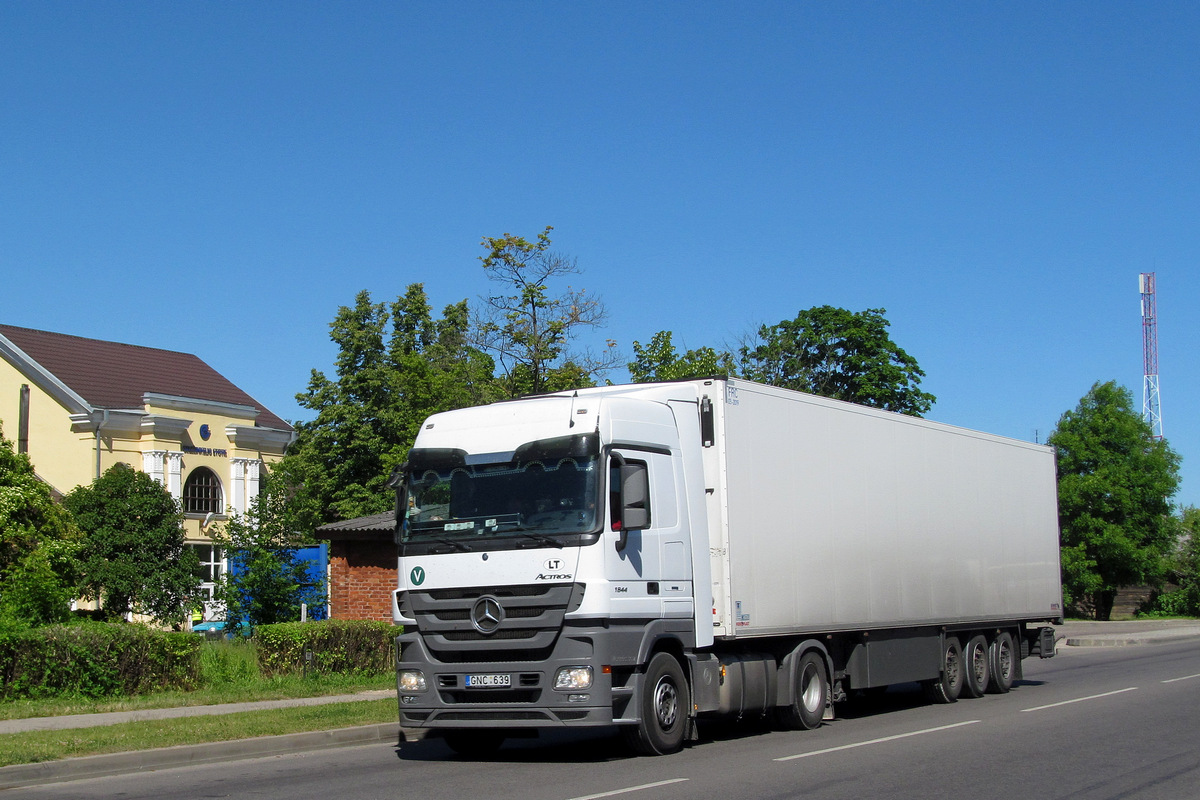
x: 1080, y: 699
x: 878, y: 741
x: 1184, y: 678
x: 616, y: 792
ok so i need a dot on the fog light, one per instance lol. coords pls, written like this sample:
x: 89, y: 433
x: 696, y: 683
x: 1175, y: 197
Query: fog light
x: 411, y: 680
x: 408, y: 699
x: 577, y: 698
x: 573, y: 678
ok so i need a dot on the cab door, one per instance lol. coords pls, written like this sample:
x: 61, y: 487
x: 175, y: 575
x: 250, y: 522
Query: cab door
x: 650, y: 574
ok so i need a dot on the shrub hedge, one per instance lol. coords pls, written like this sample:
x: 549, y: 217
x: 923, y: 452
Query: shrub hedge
x: 348, y: 647
x: 95, y: 659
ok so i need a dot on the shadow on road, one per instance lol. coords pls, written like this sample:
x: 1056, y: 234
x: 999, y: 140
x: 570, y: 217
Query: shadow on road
x: 601, y: 745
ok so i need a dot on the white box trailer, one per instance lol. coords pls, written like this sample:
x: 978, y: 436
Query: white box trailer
x: 646, y: 555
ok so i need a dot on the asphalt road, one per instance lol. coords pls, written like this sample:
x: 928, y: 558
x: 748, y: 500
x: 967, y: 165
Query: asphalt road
x: 1090, y: 723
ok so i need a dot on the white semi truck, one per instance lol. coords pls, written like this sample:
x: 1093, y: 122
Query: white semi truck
x: 646, y: 555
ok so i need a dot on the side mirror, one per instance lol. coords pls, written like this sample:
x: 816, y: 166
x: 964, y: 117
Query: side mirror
x: 396, y: 482
x: 634, y: 509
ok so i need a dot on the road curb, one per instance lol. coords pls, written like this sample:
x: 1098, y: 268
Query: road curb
x: 1111, y: 640
x: 69, y: 769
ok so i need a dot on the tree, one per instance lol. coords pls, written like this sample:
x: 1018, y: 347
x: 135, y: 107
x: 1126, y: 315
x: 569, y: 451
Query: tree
x: 266, y: 582
x: 396, y: 365
x: 38, y: 543
x: 529, y: 331
x: 1115, y: 482
x: 133, y: 557
x: 659, y: 361
x: 1183, y: 569
x: 840, y: 354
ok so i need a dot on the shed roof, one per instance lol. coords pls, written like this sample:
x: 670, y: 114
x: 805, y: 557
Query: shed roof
x: 375, y: 526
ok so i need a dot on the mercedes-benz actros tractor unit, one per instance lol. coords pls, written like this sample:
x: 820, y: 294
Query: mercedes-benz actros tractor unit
x: 646, y: 555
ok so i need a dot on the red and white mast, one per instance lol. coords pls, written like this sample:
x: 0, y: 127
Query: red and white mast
x: 1151, y: 403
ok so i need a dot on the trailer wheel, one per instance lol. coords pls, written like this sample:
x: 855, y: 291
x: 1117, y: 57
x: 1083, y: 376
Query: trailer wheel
x: 665, y: 705
x: 474, y: 743
x: 946, y: 688
x: 1003, y: 657
x: 977, y: 667
x: 807, y: 708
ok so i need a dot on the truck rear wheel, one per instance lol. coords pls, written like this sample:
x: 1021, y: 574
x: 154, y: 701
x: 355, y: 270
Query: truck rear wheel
x: 946, y: 688
x: 807, y: 708
x: 1003, y: 657
x: 977, y: 667
x: 665, y: 705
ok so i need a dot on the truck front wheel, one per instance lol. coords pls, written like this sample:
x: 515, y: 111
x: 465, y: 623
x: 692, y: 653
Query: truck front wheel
x: 665, y: 705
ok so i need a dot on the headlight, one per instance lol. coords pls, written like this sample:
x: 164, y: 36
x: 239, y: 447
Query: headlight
x: 412, y: 680
x: 573, y: 678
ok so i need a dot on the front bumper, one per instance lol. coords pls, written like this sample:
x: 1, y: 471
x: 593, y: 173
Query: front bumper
x: 529, y: 701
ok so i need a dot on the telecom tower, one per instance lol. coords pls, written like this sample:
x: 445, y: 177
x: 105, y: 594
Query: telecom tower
x: 1151, y: 403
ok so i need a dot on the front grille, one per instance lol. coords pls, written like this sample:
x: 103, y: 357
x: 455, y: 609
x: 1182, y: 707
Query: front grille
x: 476, y: 636
x: 492, y: 696
x: 533, y: 616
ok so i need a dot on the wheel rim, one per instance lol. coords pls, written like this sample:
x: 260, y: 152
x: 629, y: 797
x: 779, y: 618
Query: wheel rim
x: 952, y: 666
x: 810, y: 688
x: 666, y: 703
x: 1005, y: 661
x: 979, y: 665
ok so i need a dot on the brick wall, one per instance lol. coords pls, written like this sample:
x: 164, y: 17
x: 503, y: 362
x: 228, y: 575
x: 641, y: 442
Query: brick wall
x: 362, y: 577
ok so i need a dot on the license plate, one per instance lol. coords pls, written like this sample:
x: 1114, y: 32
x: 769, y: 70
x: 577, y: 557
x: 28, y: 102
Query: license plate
x: 481, y: 681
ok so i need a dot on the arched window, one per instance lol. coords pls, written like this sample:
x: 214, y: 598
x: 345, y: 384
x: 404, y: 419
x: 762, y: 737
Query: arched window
x: 202, y: 492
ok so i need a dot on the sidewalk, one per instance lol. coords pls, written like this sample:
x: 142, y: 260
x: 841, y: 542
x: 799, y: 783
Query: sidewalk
x: 115, y: 717
x: 1125, y: 633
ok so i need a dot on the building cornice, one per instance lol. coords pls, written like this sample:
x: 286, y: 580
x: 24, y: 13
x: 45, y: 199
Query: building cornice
x: 163, y: 427
x: 177, y: 403
x: 109, y: 422
x: 269, y: 440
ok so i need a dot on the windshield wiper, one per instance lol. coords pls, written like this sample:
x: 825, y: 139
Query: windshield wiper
x: 463, y: 548
x: 537, y: 537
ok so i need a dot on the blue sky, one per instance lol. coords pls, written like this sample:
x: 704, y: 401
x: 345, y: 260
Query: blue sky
x: 219, y: 177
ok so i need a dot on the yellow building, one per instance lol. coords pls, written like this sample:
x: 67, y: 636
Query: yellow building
x: 78, y: 406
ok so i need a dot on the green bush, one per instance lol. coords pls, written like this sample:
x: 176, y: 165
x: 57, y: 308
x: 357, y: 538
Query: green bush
x: 349, y: 647
x: 94, y: 659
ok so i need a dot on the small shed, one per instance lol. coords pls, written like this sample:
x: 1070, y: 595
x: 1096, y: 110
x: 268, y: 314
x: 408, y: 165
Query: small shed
x: 362, y: 566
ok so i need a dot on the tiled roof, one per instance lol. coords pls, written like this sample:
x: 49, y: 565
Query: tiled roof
x: 114, y: 375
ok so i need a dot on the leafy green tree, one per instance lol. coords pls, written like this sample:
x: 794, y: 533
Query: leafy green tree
x: 133, y: 557
x: 840, y: 354
x: 267, y: 582
x: 1183, y: 570
x: 38, y: 544
x: 396, y: 365
x: 659, y: 361
x: 530, y: 330
x: 1115, y: 483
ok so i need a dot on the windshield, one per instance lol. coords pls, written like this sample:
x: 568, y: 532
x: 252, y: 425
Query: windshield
x: 533, y: 495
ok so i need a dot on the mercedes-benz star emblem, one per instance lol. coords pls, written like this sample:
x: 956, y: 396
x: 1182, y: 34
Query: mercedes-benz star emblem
x: 487, y: 614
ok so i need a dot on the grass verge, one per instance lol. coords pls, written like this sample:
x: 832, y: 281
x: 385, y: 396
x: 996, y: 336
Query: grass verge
x: 36, y: 746
x: 282, y: 688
